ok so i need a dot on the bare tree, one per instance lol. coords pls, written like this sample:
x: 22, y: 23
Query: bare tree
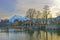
x: 30, y: 14
x: 38, y: 15
x: 46, y: 11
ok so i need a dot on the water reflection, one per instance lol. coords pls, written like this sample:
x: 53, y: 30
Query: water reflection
x: 30, y: 35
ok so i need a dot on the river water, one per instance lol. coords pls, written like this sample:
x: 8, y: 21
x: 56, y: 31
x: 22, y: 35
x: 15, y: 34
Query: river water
x: 36, y: 35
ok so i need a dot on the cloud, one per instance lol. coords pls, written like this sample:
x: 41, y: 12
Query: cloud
x: 33, y: 3
x: 8, y: 5
x: 19, y: 7
x: 37, y: 4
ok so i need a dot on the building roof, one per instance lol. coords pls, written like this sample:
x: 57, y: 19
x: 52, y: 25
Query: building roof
x: 58, y: 18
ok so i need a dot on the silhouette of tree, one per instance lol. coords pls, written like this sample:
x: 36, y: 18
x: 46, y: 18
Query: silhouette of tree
x: 38, y: 15
x: 30, y: 14
x: 46, y: 11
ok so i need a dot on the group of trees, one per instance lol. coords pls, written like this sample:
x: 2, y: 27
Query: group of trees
x: 32, y: 13
x: 43, y: 14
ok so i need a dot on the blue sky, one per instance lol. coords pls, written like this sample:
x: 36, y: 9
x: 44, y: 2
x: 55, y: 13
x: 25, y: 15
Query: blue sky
x: 7, y: 5
x: 9, y: 8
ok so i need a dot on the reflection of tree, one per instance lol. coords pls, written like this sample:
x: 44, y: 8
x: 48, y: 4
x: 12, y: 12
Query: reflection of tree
x: 31, y: 32
x: 51, y: 36
x: 38, y: 35
x: 58, y: 29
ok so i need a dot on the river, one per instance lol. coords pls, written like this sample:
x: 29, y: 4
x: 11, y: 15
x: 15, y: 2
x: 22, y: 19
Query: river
x: 36, y: 35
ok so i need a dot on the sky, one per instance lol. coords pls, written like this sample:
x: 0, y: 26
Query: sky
x: 9, y: 8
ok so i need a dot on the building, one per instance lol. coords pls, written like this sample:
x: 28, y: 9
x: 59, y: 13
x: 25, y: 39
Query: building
x: 16, y: 22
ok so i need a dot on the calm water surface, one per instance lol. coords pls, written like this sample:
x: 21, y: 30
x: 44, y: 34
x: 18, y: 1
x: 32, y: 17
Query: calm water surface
x: 41, y: 35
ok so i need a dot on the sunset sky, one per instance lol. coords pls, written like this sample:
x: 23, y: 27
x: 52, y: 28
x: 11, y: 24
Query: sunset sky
x: 9, y: 8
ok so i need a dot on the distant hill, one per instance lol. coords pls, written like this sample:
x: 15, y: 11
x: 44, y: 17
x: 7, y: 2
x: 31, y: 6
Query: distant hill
x: 58, y: 18
x: 19, y: 18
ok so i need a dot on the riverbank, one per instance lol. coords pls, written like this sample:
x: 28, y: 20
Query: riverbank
x: 50, y: 27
